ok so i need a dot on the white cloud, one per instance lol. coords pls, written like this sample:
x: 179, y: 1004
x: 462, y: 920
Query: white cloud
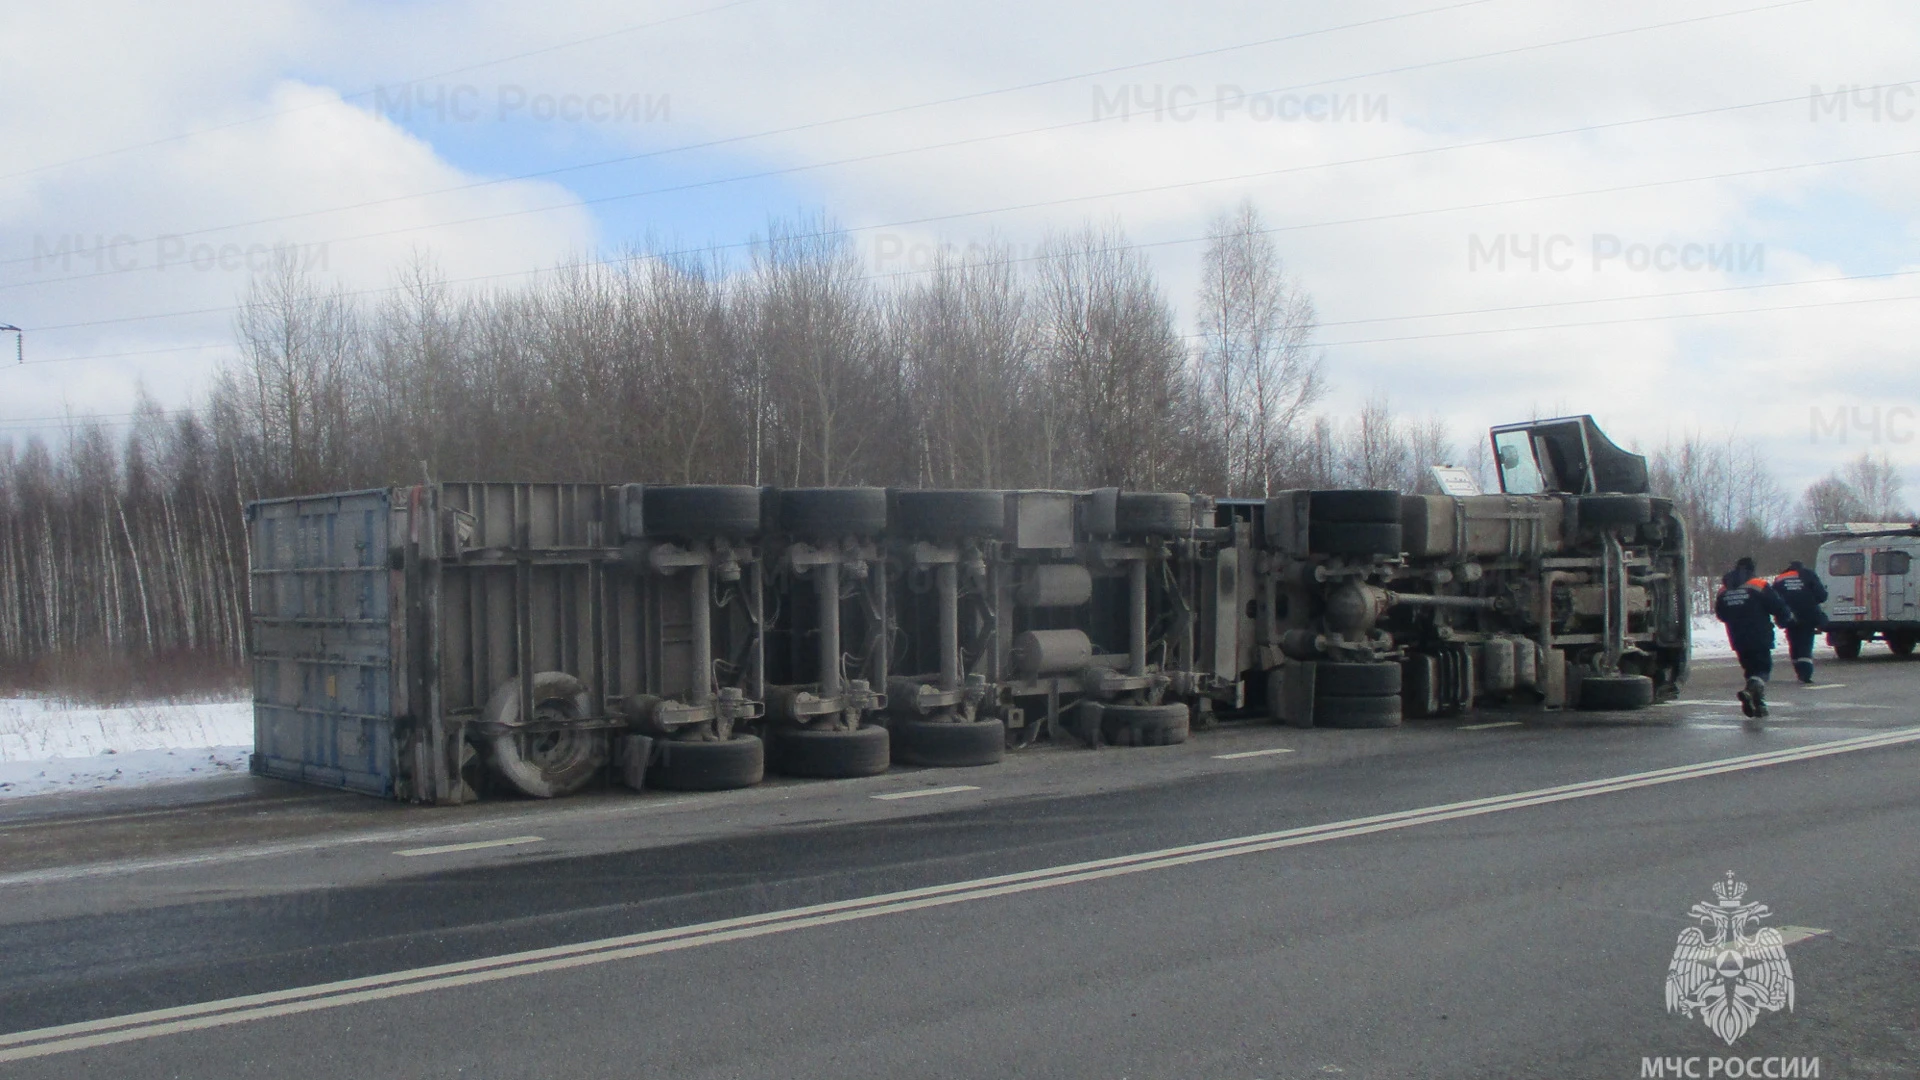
x: 765, y: 66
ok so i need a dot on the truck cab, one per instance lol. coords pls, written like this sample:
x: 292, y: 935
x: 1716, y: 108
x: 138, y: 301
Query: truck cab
x: 1569, y: 455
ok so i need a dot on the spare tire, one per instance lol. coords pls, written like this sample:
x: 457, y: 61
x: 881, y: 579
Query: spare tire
x: 1355, y: 680
x: 1615, y: 693
x: 1144, y: 725
x: 945, y: 744
x: 1605, y: 510
x: 1353, y: 538
x: 949, y: 515
x: 544, y: 764
x: 826, y: 753
x: 696, y: 765
x: 1366, y: 505
x: 825, y: 513
x: 703, y: 510
x: 1152, y: 513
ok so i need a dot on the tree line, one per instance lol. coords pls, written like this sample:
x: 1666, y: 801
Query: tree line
x: 123, y: 560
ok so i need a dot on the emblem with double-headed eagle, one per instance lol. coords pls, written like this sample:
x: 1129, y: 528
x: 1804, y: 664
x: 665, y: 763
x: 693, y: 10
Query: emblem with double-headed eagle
x: 1726, y: 971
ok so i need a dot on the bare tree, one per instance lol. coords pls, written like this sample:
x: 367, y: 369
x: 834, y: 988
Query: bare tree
x: 1256, y: 328
x: 1119, y: 386
x: 1876, y: 480
x: 296, y: 341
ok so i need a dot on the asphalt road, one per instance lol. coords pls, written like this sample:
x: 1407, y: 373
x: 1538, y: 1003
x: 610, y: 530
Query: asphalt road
x: 1443, y: 900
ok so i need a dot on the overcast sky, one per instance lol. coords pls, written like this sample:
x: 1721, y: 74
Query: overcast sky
x: 1661, y: 213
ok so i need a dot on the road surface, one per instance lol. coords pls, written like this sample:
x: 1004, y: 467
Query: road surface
x: 1476, y: 897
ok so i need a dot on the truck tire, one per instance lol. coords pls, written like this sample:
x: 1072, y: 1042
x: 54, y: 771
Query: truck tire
x: 1353, y: 538
x: 1144, y: 725
x: 545, y: 764
x: 1371, y: 711
x: 825, y: 513
x: 1607, y: 510
x: 1356, y: 680
x: 1615, y: 693
x: 1371, y: 506
x: 1901, y: 644
x: 827, y: 754
x: 701, y: 510
x: 1845, y: 646
x: 949, y: 744
x: 1152, y: 513
x: 949, y: 515
x: 693, y: 765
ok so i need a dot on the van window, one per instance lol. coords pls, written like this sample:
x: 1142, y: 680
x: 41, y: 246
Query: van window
x: 1846, y: 564
x: 1891, y: 562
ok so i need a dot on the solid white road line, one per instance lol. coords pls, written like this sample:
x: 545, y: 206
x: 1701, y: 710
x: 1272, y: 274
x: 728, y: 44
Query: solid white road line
x: 477, y: 845
x: 137, y: 1026
x: 1823, y: 686
x: 1251, y: 753
x: 1483, y: 727
x: 923, y: 794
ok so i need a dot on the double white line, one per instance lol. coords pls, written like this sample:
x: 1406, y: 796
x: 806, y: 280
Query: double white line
x: 238, y: 1010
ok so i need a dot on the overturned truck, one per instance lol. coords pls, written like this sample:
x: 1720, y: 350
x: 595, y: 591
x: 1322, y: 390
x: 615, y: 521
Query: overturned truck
x: 444, y: 642
x: 1569, y: 588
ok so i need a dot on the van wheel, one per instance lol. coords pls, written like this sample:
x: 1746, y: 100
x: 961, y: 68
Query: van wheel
x: 1845, y: 646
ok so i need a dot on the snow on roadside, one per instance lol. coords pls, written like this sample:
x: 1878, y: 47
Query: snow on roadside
x: 1709, y: 637
x: 47, y: 747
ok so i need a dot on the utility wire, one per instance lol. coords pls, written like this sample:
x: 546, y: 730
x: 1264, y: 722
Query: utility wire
x: 770, y: 132
x: 575, y: 204
x: 1373, y: 218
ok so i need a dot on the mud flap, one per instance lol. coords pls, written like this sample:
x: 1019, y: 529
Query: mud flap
x: 1290, y: 693
x: 631, y: 756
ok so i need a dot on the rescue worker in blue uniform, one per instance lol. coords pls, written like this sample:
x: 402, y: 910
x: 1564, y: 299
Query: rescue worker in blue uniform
x: 1803, y: 592
x: 1750, y: 608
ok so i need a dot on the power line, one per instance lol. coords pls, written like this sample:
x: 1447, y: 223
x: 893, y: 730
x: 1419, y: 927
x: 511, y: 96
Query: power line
x: 974, y: 140
x: 1620, y: 322
x: 1374, y: 218
x: 810, y: 125
x: 371, y: 90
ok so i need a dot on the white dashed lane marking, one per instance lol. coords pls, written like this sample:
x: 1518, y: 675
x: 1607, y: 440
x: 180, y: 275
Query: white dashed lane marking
x: 929, y: 791
x: 1251, y: 753
x: 1483, y: 727
x: 477, y: 845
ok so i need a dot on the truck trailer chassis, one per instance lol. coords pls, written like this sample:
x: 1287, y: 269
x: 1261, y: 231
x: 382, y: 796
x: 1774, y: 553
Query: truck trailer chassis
x: 442, y: 642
